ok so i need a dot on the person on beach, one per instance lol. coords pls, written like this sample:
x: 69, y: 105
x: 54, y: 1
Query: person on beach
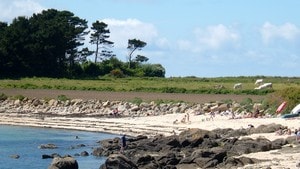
x: 298, y: 135
x: 183, y: 120
x: 116, y: 112
x: 123, y: 146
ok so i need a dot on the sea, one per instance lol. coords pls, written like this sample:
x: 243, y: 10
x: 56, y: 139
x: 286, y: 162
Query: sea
x: 25, y: 142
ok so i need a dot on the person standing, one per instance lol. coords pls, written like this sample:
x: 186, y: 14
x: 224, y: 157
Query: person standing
x: 123, y: 141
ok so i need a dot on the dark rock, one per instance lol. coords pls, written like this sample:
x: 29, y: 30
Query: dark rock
x: 100, y: 151
x: 168, y: 159
x: 270, y: 128
x: 209, y: 157
x: 84, y: 153
x: 193, y: 137
x: 248, y: 145
x: 278, y: 143
x: 239, y: 162
x: 144, y: 160
x: 137, y: 138
x: 117, y: 161
x: 63, y: 163
x: 46, y: 156
x: 193, y: 147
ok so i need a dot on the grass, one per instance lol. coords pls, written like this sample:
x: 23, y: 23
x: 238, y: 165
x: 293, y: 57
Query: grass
x: 161, y: 85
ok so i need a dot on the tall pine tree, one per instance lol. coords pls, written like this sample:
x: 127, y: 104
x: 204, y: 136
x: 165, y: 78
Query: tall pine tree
x: 99, y: 38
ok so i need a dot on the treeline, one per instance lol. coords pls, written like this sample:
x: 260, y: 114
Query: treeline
x: 51, y: 44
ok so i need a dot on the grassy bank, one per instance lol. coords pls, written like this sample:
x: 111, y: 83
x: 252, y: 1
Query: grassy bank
x: 222, y: 85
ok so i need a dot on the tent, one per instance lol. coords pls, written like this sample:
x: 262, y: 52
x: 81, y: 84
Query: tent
x: 296, y: 110
x: 281, y: 107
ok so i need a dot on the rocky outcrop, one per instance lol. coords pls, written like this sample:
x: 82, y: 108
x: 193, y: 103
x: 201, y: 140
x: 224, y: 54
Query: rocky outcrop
x: 63, y: 163
x: 193, y: 148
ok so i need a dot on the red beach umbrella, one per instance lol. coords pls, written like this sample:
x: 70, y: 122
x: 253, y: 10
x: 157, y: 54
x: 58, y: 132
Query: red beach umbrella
x: 281, y: 107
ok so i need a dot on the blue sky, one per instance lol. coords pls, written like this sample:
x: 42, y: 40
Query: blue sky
x: 203, y: 38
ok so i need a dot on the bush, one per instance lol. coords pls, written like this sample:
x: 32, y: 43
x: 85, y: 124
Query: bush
x: 154, y: 70
x: 117, y: 73
x: 3, y: 96
x: 18, y: 97
x: 62, y: 98
x: 136, y: 101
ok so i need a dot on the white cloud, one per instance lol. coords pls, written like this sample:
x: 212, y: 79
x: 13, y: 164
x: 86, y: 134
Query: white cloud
x: 10, y: 9
x: 211, y: 38
x: 286, y: 31
x: 122, y: 30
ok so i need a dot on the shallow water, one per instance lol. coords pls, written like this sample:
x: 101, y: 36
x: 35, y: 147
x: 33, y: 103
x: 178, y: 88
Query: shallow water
x: 24, y: 141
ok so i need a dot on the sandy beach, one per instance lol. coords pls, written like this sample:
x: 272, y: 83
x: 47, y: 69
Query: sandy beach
x: 164, y: 124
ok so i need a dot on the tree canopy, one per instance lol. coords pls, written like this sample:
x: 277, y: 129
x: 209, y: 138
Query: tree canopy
x: 51, y: 44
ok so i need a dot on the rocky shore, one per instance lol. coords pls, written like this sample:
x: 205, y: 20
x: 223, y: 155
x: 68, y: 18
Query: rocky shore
x: 196, y: 148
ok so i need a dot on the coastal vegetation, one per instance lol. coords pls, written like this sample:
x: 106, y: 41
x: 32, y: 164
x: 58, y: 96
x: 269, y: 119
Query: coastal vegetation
x: 194, y: 85
x: 52, y: 44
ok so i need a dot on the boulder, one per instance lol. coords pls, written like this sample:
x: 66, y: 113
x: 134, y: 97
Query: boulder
x: 117, y: 161
x: 193, y: 137
x: 248, y: 145
x: 63, y: 163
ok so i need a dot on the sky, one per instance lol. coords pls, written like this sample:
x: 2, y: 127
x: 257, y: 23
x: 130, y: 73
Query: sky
x: 202, y: 38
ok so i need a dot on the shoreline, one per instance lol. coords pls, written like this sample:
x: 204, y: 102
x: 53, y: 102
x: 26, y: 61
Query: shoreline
x: 161, y: 123
x: 146, y: 125
x: 281, y: 158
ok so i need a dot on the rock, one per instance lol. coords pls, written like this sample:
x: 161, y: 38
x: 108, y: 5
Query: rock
x: 270, y: 128
x: 223, y: 107
x: 117, y: 161
x: 46, y: 156
x: 15, y: 156
x: 63, y: 163
x: 52, y: 102
x: 17, y: 102
x: 144, y: 160
x: 193, y: 137
x: 248, y: 145
x: 47, y: 146
x: 84, y: 153
x: 239, y: 162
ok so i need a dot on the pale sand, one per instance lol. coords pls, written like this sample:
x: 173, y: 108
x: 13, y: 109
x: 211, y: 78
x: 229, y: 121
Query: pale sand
x: 163, y: 124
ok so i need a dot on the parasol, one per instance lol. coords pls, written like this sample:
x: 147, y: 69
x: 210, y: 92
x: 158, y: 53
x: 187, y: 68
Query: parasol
x: 281, y: 107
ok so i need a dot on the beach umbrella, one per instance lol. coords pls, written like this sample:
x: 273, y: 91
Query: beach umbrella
x: 281, y: 107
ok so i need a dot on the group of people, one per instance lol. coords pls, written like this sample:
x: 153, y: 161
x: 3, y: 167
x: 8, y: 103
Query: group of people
x: 297, y: 133
x: 287, y: 131
x: 284, y: 131
x: 185, y: 119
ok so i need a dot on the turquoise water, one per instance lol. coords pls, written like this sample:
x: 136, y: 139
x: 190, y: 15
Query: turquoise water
x: 25, y: 141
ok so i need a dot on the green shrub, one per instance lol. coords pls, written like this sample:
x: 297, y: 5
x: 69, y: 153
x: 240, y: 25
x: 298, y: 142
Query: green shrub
x: 62, y: 98
x: 136, y: 101
x: 173, y: 90
x: 18, y: 97
x: 3, y: 96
